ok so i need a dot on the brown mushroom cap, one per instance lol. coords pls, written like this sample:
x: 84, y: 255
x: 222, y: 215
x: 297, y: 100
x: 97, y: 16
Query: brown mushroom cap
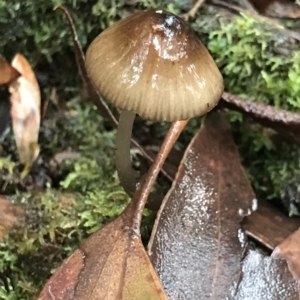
x: 153, y: 64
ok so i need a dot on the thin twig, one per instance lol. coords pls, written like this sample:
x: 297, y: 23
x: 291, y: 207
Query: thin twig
x: 283, y: 121
x: 191, y: 14
x: 80, y: 59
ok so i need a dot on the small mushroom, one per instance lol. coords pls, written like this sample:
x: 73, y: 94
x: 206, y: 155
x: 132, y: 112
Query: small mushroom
x: 152, y: 64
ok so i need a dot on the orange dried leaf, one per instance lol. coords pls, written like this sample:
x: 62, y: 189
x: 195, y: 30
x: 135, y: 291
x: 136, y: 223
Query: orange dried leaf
x: 111, y: 264
x: 7, y: 72
x: 25, y: 111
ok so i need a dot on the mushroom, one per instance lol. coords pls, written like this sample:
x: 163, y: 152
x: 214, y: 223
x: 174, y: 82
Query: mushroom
x: 151, y: 64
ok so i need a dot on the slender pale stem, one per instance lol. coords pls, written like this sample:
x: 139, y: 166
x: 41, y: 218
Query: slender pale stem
x: 135, y: 208
x: 123, y: 158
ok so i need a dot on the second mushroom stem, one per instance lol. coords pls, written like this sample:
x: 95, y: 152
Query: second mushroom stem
x: 140, y: 197
x: 123, y: 158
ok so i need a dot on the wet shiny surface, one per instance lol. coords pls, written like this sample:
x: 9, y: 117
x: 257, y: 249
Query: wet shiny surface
x: 265, y: 278
x: 154, y: 64
x: 197, y: 244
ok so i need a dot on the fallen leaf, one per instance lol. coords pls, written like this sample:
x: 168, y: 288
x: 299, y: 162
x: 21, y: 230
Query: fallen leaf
x: 25, y: 112
x: 7, y: 72
x: 289, y: 250
x: 269, y: 226
x: 110, y: 264
x: 196, y: 244
x: 264, y: 278
x: 10, y: 215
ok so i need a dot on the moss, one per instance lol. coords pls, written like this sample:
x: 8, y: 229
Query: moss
x: 257, y: 61
x: 57, y: 220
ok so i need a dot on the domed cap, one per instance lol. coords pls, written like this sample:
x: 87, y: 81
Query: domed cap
x: 152, y: 63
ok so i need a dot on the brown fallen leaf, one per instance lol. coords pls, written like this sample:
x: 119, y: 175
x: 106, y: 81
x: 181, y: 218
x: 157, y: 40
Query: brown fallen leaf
x: 112, y: 264
x: 264, y: 278
x: 195, y: 245
x: 289, y: 250
x: 269, y: 226
x: 10, y: 215
x: 25, y: 112
x: 7, y: 72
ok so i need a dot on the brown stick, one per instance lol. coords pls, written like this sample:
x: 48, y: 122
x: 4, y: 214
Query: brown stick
x: 191, y: 14
x: 283, y: 121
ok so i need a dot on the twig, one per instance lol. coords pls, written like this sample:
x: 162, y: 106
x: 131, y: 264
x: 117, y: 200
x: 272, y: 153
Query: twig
x: 80, y: 59
x: 283, y: 121
x: 191, y: 14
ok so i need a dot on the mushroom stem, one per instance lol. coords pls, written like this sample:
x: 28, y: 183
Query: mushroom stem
x: 123, y: 159
x: 139, y: 199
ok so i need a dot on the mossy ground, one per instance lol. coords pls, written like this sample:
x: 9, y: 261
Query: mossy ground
x: 256, y: 59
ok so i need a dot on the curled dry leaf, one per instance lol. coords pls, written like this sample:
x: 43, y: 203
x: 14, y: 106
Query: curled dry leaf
x: 25, y: 111
x: 195, y: 245
x: 289, y: 250
x: 7, y: 72
x: 110, y: 264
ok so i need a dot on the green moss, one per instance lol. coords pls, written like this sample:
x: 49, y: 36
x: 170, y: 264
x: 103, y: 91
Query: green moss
x: 257, y: 61
x: 58, y: 219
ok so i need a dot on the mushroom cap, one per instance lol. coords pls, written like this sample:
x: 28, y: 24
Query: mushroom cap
x: 153, y: 64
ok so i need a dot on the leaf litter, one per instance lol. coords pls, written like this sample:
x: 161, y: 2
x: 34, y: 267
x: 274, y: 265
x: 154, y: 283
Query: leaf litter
x: 25, y: 112
x: 197, y: 245
x: 289, y: 250
x: 113, y: 263
x: 216, y: 224
x: 7, y: 72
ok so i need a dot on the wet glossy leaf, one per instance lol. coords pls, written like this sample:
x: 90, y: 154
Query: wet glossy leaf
x: 265, y: 278
x: 25, y: 111
x: 289, y: 250
x: 195, y: 245
x: 111, y: 264
x: 7, y: 72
